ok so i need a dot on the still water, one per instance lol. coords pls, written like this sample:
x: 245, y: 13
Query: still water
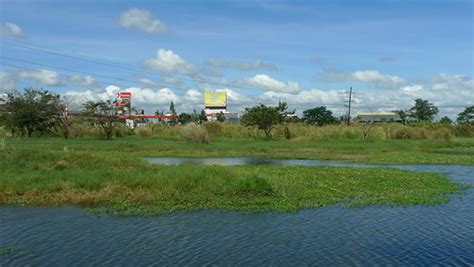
x: 376, y: 235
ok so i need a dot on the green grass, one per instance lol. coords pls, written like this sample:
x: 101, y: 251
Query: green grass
x: 111, y: 176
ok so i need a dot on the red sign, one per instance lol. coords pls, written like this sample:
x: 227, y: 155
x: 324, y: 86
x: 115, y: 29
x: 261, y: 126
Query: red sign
x: 125, y: 94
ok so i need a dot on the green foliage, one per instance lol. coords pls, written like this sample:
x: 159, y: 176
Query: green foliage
x: 220, y: 117
x: 184, y: 118
x: 446, y: 120
x: 102, y: 114
x: 195, y: 134
x: 8, y: 250
x: 198, y: 117
x: 320, y: 116
x: 34, y: 111
x: 467, y: 116
x: 255, y: 185
x: 213, y: 127
x: 264, y: 117
x: 172, y: 112
x: 110, y: 175
x: 423, y: 110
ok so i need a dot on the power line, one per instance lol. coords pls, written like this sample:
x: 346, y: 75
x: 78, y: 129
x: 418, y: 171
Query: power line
x: 117, y: 65
x: 74, y: 71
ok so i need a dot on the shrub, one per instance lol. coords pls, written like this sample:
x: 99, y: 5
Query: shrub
x: 213, y: 127
x: 464, y: 130
x: 143, y: 131
x: 442, y: 134
x: 195, y: 134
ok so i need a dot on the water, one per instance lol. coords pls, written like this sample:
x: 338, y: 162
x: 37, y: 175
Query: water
x: 416, y: 235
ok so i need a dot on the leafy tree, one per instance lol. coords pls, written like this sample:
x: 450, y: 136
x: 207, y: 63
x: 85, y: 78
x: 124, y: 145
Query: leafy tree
x: 102, y: 113
x: 34, y: 111
x: 220, y: 116
x: 184, y: 118
x: 467, y: 116
x: 423, y: 110
x: 445, y: 120
x: 264, y: 117
x: 199, y: 117
x: 320, y: 116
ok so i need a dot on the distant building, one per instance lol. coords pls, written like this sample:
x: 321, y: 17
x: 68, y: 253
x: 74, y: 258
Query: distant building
x: 215, y: 103
x: 378, y: 117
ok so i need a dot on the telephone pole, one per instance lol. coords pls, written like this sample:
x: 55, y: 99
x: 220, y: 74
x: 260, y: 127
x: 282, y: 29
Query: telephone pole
x: 349, y: 111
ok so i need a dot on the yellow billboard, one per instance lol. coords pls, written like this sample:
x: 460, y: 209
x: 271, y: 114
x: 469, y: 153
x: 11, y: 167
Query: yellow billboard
x: 215, y: 99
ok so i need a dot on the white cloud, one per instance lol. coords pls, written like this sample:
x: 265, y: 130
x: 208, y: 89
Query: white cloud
x: 168, y: 61
x: 147, y: 82
x: 86, y: 80
x: 142, y: 20
x: 239, y: 65
x: 171, y: 80
x: 7, y: 81
x: 412, y: 88
x: 45, y: 77
x: 265, y: 82
x: 372, y: 76
x: 11, y: 29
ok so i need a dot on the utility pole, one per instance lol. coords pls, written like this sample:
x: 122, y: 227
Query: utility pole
x: 349, y: 111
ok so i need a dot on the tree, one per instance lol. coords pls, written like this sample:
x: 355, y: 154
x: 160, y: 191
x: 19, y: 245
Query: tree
x: 445, y: 120
x: 264, y: 117
x: 102, y: 113
x: 199, y: 117
x: 184, y: 118
x: 467, y: 116
x: 320, y: 116
x: 403, y: 114
x: 34, y: 111
x: 423, y: 110
x: 220, y: 117
x: 173, y: 112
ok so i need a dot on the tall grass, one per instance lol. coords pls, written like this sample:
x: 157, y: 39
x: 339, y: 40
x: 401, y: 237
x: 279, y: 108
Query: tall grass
x: 195, y: 134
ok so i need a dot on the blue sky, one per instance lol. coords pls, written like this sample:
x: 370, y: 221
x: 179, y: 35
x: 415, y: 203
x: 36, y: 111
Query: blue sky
x: 303, y: 52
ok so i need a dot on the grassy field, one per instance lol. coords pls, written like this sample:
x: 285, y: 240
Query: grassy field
x: 111, y: 176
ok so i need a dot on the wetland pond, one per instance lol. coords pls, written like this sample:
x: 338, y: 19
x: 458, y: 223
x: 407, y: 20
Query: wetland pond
x: 335, y: 235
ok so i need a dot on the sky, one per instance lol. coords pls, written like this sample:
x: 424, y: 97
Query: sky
x: 307, y: 53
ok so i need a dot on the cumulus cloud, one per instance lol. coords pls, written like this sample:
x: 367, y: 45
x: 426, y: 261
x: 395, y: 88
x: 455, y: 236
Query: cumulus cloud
x: 363, y: 76
x: 142, y: 20
x: 265, y: 82
x: 45, y: 77
x: 7, y: 81
x: 412, y: 88
x: 168, y: 61
x: 239, y: 65
x: 12, y: 30
x: 372, y: 76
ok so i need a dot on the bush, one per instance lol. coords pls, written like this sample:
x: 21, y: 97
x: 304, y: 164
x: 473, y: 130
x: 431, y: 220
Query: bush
x: 464, y: 130
x: 195, y: 134
x: 143, y: 131
x: 213, y: 127
x: 442, y: 134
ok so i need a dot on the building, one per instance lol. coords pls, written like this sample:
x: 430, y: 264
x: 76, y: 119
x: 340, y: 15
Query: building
x: 378, y: 117
x: 215, y: 103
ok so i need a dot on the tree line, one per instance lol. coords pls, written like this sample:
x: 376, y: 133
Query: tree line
x: 41, y: 112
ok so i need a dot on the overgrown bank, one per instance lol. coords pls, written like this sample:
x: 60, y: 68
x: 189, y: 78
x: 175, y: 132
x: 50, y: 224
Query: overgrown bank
x: 110, y: 176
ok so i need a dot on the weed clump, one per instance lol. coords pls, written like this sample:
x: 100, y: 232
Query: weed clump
x: 255, y: 185
x: 195, y: 134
